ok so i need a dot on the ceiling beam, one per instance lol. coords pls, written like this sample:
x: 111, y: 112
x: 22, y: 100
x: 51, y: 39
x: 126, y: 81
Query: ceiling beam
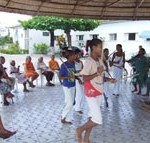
x: 73, y: 10
x: 113, y: 3
x: 39, y: 7
x: 85, y: 1
x: 138, y: 3
x: 7, y: 3
x: 104, y: 8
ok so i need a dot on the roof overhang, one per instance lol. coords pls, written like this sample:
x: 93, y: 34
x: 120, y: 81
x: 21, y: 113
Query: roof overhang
x: 97, y: 9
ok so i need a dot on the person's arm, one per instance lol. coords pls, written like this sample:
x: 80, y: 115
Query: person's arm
x: 62, y: 73
x: 58, y: 66
x: 106, y: 64
x: 62, y: 77
x: 89, y: 77
x: 78, y: 71
x: 14, y: 70
x: 113, y: 58
x: 107, y: 79
x: 98, y: 73
x: 123, y: 59
x: 80, y: 81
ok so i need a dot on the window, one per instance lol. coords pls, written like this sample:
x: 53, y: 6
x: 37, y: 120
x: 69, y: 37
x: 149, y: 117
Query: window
x: 148, y: 39
x: 95, y: 36
x: 81, y: 37
x: 131, y: 36
x: 113, y: 37
x: 56, y: 37
x: 45, y: 33
x: 80, y: 44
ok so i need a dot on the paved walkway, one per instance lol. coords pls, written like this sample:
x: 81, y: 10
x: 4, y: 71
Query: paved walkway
x: 36, y: 117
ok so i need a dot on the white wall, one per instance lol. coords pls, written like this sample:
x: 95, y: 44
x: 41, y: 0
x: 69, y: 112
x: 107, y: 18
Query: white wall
x: 35, y: 37
x: 18, y: 35
x: 121, y: 28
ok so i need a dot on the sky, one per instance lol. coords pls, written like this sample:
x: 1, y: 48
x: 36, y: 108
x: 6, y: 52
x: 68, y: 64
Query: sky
x: 11, y: 19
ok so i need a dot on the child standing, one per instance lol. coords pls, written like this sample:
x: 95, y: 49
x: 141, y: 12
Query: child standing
x: 79, y: 83
x: 66, y: 74
x: 93, y: 89
x: 118, y: 63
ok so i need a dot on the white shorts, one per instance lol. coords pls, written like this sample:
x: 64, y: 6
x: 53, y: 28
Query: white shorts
x: 94, y: 109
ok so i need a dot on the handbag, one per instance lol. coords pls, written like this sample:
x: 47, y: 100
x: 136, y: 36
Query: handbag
x: 90, y: 91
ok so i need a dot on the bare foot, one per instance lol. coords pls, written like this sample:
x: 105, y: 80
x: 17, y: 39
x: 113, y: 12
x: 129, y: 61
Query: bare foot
x: 65, y: 122
x: 80, y: 112
x: 79, y: 135
x: 139, y: 93
x: 134, y: 90
x: 85, y: 141
x: 145, y: 95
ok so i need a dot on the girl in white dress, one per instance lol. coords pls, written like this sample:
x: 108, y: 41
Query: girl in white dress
x: 118, y: 61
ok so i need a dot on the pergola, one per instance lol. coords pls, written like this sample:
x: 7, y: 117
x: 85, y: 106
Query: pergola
x: 97, y: 9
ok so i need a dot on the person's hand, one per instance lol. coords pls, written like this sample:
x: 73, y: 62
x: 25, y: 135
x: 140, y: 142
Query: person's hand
x: 71, y: 76
x: 112, y: 80
x: 80, y: 81
x: 100, y: 69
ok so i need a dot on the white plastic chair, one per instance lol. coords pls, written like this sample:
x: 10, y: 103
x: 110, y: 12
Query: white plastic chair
x: 56, y: 79
x: 40, y: 77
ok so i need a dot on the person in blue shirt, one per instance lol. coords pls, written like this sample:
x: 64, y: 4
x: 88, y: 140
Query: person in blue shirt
x: 67, y: 74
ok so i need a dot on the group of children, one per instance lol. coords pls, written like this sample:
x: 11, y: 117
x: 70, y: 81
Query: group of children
x: 85, y: 80
x: 92, y: 77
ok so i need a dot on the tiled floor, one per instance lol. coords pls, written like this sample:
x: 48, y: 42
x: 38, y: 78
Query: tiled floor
x: 36, y: 117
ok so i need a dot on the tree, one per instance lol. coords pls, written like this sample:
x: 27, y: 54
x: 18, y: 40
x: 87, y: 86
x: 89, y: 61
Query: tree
x: 48, y: 23
x: 68, y: 24
x: 51, y: 23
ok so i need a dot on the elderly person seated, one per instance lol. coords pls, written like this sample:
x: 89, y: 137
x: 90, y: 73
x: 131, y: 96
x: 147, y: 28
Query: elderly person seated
x: 30, y: 70
x: 9, y: 80
x: 21, y: 77
x: 5, y: 88
x: 53, y: 64
x: 4, y: 133
x: 45, y: 71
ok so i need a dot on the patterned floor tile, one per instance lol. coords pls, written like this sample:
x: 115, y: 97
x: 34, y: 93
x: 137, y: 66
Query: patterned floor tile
x: 36, y: 117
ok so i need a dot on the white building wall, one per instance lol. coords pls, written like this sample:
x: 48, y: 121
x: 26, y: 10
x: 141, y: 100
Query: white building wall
x: 27, y: 38
x: 121, y: 29
x: 36, y: 37
x: 18, y: 34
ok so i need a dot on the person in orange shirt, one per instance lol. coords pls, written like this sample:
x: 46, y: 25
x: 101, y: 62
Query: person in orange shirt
x: 53, y: 64
x: 30, y: 70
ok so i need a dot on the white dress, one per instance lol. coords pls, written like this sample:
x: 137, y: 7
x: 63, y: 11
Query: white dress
x: 79, y: 88
x: 117, y: 72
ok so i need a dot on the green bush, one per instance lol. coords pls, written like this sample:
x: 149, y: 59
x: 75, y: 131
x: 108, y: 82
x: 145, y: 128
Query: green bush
x: 40, y: 48
x: 12, y: 49
x: 24, y: 51
x: 5, y: 40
